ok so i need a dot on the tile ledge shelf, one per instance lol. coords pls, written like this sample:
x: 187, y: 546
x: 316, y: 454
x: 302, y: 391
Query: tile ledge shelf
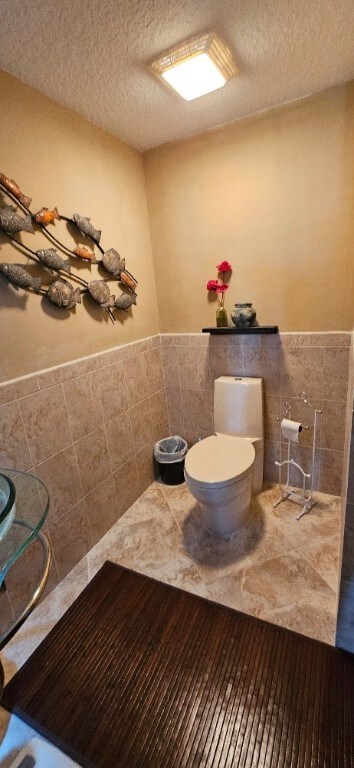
x: 254, y: 329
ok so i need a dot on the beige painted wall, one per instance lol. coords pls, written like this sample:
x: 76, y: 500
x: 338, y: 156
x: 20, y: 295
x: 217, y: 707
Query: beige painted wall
x: 58, y: 158
x: 271, y: 194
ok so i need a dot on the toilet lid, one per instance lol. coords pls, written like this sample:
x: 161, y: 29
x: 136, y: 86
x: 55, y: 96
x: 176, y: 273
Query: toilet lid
x: 219, y: 460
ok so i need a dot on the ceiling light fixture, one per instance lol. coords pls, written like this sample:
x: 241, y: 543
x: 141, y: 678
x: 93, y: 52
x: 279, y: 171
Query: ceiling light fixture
x: 196, y: 66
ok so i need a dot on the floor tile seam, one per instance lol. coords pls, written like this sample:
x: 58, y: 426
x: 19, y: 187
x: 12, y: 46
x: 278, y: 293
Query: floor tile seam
x: 335, y: 591
x: 161, y: 513
x: 261, y: 561
x: 293, y: 550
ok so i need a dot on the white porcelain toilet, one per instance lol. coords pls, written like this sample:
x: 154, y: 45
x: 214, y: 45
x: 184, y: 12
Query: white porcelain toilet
x: 223, y: 470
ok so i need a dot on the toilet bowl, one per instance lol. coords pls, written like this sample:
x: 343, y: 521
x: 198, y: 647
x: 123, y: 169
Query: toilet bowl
x: 218, y: 473
x: 223, y: 470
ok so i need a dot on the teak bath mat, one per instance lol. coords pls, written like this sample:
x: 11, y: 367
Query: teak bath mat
x: 138, y: 673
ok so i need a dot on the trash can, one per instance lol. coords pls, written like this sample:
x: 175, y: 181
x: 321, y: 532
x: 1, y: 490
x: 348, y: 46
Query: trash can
x: 169, y: 455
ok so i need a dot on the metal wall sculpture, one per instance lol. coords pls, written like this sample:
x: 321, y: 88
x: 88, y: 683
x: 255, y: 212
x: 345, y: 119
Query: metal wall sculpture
x: 61, y: 292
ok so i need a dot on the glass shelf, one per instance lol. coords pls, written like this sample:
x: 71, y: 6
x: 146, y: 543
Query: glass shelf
x: 32, y: 504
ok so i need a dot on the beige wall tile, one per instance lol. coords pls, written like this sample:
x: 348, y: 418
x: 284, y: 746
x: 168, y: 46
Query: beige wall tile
x: 264, y: 363
x: 93, y: 363
x: 46, y: 423
x: 101, y: 509
x: 193, y: 435
x: 57, y: 375
x: 92, y: 459
x: 272, y: 453
x: 14, y: 452
x: 166, y: 339
x: 70, y: 371
x: 181, y: 339
x: 226, y: 360
x: 289, y: 339
x: 119, y: 440
x: 199, y: 339
x: 335, y: 374
x: 337, y: 339
x: 175, y: 410
x: 193, y: 365
x: 141, y: 346
x: 17, y: 389
x: 331, y: 467
x: 83, y: 405
x: 302, y: 370
x: 127, y: 485
x: 71, y: 538
x: 155, y: 374
x: 272, y: 412
x: 145, y: 466
x: 60, y: 475
x: 140, y: 418
x: 333, y: 424
x: 171, y: 366
x: 118, y: 354
x: 136, y: 380
x: 159, y: 415
x: 312, y: 339
x: 265, y: 341
x: 197, y: 410
x: 111, y: 389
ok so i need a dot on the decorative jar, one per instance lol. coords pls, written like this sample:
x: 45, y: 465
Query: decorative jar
x: 243, y: 316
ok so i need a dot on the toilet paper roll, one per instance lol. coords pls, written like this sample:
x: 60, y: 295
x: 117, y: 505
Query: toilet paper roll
x: 291, y: 430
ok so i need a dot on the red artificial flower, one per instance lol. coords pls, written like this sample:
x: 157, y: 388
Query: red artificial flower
x: 212, y: 285
x: 224, y: 266
x: 221, y: 288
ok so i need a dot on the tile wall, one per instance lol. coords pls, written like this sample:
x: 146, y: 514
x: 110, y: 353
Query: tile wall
x: 345, y: 625
x: 87, y: 429
x: 288, y: 364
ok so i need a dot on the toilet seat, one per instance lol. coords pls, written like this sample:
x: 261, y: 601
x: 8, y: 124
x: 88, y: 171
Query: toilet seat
x: 219, y: 461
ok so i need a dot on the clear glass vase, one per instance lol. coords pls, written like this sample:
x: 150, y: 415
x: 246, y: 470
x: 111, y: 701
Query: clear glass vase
x: 221, y: 314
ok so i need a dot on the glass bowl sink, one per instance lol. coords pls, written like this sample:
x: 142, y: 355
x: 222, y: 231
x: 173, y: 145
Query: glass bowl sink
x: 7, y: 504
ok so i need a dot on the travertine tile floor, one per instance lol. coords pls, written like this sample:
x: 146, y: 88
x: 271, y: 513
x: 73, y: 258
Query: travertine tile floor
x: 275, y: 567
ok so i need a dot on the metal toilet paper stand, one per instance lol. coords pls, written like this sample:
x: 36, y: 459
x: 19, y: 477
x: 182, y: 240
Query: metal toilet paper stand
x: 286, y: 492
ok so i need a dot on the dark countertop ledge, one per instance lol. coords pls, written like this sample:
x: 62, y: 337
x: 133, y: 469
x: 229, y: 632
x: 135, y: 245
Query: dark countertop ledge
x: 253, y: 330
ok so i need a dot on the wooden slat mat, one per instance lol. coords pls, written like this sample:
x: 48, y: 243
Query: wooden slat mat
x: 138, y: 673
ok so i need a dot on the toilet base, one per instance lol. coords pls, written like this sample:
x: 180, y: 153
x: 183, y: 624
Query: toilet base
x: 224, y: 510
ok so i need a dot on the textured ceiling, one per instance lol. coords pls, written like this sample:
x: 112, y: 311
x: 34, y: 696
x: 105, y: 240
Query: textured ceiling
x: 91, y: 55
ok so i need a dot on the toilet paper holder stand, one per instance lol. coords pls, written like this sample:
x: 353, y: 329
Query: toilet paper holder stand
x: 286, y: 491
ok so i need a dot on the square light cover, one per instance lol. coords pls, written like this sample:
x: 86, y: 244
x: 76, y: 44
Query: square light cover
x: 197, y: 66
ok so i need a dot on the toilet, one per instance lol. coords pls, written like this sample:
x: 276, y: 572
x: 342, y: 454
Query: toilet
x: 224, y: 470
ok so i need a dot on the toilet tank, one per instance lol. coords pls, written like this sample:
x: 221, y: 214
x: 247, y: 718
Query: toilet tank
x: 238, y: 406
